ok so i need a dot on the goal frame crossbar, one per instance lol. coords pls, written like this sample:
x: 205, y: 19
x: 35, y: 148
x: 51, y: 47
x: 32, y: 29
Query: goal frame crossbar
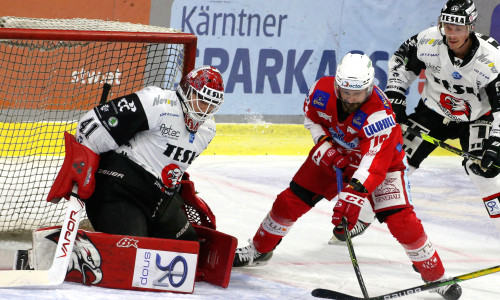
x: 187, y: 39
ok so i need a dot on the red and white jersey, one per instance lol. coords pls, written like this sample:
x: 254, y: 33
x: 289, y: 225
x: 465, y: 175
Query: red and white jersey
x: 148, y: 127
x: 461, y: 90
x: 370, y: 137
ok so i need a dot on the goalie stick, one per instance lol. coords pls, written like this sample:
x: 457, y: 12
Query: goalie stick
x: 330, y: 294
x: 57, y: 272
x: 442, y: 144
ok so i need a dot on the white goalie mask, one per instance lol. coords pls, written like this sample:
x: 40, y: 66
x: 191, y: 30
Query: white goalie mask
x: 201, y: 93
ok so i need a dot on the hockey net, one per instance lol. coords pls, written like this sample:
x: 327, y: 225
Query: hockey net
x: 51, y: 72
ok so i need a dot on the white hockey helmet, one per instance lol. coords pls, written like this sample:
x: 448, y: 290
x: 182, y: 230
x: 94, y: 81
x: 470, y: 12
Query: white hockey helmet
x: 201, y: 93
x: 354, y: 72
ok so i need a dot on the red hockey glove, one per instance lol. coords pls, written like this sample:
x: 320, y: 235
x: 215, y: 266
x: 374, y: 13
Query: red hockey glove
x: 327, y: 156
x: 349, y: 205
x: 79, y: 166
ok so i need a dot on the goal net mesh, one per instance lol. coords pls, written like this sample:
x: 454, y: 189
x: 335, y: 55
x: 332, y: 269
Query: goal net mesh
x: 46, y: 84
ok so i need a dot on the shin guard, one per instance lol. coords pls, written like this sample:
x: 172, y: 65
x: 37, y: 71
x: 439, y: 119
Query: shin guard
x: 287, y: 208
x: 408, y: 230
x: 425, y: 258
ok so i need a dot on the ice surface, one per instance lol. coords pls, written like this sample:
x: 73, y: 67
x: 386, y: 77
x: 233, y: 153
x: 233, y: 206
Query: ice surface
x: 241, y: 189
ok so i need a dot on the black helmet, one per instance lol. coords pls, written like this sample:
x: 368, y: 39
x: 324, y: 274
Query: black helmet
x: 459, y: 12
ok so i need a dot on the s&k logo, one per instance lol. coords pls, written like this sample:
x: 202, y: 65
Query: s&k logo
x: 176, y: 272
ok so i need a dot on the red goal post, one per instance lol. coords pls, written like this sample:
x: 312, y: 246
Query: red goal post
x: 51, y: 72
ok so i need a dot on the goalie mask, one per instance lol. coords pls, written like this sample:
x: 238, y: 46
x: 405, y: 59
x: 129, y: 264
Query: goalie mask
x: 201, y: 93
x: 458, y: 12
x: 354, y: 81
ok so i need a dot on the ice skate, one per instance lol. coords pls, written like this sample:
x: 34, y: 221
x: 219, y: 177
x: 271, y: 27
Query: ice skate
x: 249, y: 257
x: 23, y: 261
x: 338, y: 232
x: 448, y: 292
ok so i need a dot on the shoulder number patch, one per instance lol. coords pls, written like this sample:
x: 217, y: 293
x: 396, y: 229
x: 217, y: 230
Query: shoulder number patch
x: 372, y: 129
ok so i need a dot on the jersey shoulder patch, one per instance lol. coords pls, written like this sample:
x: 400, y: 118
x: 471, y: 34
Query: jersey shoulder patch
x: 322, y: 92
x: 382, y: 97
x: 378, y: 123
x: 488, y: 39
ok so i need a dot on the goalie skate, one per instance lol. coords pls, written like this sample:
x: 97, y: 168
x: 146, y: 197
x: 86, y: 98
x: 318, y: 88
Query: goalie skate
x: 249, y: 257
x: 339, y: 235
x: 23, y: 260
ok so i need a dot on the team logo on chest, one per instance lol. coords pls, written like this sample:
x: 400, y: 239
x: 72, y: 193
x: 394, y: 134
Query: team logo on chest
x: 339, y: 136
x: 454, y: 107
x: 171, y: 175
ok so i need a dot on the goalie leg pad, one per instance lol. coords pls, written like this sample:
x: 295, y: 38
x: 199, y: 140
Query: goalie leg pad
x: 107, y: 260
x: 123, y: 262
x: 287, y: 208
x: 80, y: 164
x: 408, y: 230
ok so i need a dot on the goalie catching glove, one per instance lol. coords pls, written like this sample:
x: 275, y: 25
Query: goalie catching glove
x: 79, y: 166
x: 351, y: 200
x: 325, y: 155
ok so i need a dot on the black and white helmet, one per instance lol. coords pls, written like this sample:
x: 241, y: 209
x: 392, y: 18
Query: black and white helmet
x: 458, y: 12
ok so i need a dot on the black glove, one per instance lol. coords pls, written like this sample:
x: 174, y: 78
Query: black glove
x: 491, y: 157
x: 398, y: 102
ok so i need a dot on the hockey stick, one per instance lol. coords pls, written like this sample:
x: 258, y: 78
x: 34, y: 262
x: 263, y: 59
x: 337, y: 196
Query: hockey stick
x: 57, y: 272
x: 329, y: 294
x: 348, y: 240
x: 106, y: 88
x: 442, y: 144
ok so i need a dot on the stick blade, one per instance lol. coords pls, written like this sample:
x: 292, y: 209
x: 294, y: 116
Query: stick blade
x: 24, y: 278
x: 329, y: 294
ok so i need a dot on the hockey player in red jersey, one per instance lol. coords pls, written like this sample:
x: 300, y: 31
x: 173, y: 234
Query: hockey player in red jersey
x: 354, y: 128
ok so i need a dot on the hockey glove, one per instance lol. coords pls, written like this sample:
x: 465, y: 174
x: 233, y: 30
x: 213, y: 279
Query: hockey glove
x: 325, y: 155
x: 398, y: 102
x: 491, y: 157
x: 349, y: 205
x: 79, y: 166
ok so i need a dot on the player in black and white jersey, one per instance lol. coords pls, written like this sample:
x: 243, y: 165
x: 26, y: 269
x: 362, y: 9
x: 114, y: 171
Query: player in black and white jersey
x: 146, y: 141
x: 460, y: 98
